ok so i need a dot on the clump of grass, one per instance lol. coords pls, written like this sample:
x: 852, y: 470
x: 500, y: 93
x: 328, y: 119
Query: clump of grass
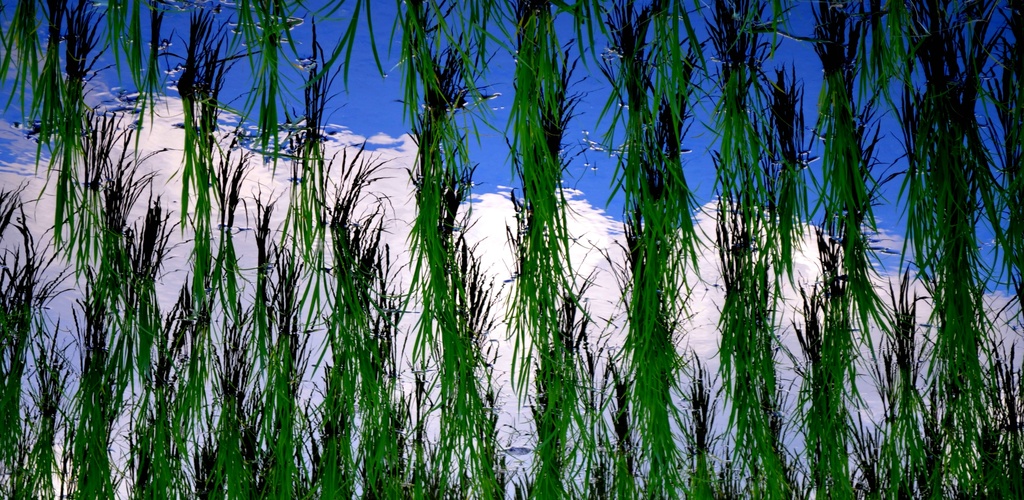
x: 1006, y: 94
x: 702, y: 482
x: 124, y: 260
x: 900, y: 379
x: 848, y: 151
x: 22, y: 49
x: 828, y: 391
x: 306, y: 143
x: 49, y: 400
x: 236, y: 459
x: 110, y: 189
x: 162, y: 416
x: 97, y: 403
x: 543, y: 108
x: 363, y: 341
x: 205, y: 67
x: 866, y: 450
x: 287, y: 360
x: 589, y: 357
x: 64, y: 105
x: 947, y: 189
x: 263, y: 213
x: 1003, y: 437
x: 27, y: 283
x: 159, y: 349
x: 624, y: 459
x: 749, y: 251
x: 541, y: 112
x: 445, y: 281
x: 748, y: 347
x: 232, y: 167
x: 654, y: 80
x: 786, y: 156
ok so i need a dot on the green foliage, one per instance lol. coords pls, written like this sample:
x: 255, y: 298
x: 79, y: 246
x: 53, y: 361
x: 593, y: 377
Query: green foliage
x: 339, y: 366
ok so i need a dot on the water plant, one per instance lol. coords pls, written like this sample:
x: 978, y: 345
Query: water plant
x: 811, y: 286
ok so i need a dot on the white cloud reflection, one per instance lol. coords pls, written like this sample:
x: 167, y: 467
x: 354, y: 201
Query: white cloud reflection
x: 595, y: 237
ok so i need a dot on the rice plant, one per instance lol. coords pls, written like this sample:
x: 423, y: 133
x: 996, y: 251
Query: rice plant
x: 1005, y: 95
x: 941, y: 224
x: 455, y: 307
x: 548, y: 348
x: 27, y: 287
x: 653, y: 82
x: 199, y: 86
x: 808, y: 287
x: 827, y: 347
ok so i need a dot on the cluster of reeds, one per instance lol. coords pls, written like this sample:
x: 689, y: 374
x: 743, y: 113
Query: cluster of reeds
x: 303, y: 353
